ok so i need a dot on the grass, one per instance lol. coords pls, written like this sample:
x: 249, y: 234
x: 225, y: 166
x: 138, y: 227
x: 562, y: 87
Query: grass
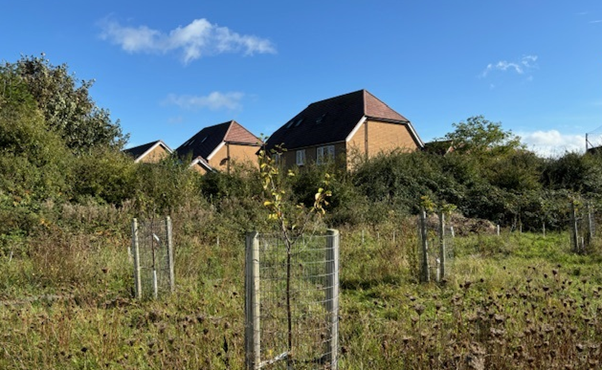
x: 517, y: 301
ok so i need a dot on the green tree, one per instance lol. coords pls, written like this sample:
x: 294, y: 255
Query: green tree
x: 581, y: 173
x: 65, y: 104
x: 479, y: 135
x: 104, y: 175
x: 33, y: 160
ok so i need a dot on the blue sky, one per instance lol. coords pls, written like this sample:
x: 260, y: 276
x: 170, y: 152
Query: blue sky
x: 168, y: 69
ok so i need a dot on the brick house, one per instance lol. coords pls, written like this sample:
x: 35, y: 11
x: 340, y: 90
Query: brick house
x: 151, y: 152
x: 340, y: 128
x: 217, y: 147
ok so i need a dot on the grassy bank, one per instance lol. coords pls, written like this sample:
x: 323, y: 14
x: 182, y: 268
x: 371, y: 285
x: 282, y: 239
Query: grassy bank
x: 517, y: 301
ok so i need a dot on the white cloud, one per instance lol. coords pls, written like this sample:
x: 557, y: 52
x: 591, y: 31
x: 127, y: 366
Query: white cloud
x: 524, y: 64
x: 175, y: 120
x: 214, y: 101
x: 552, y: 143
x: 198, y: 39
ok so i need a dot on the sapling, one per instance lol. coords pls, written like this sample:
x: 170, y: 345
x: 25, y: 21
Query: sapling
x: 291, y: 219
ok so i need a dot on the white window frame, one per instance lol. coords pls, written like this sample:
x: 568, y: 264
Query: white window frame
x: 277, y: 158
x: 324, y: 154
x: 300, y: 157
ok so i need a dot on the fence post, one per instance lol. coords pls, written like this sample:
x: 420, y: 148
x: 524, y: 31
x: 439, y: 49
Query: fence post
x: 442, y: 245
x: 252, y: 302
x: 170, y: 255
x: 575, y: 228
x: 590, y: 225
x: 426, y: 275
x: 332, y: 296
x: 136, y: 252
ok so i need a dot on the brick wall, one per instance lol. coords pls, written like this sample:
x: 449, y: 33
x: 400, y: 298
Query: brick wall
x: 155, y: 155
x: 238, y: 154
x: 385, y: 137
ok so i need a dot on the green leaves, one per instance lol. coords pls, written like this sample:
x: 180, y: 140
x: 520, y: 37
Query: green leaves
x: 479, y: 135
x: 65, y: 103
x: 290, y: 216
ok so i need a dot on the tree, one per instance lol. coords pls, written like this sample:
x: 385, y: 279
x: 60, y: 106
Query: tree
x: 580, y: 173
x: 66, y: 105
x: 33, y: 160
x: 290, y: 219
x: 479, y: 135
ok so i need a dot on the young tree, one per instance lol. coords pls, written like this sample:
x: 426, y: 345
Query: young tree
x: 290, y: 219
x: 66, y: 104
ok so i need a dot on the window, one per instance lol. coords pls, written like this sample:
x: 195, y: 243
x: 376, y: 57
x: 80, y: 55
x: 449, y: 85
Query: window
x: 324, y: 154
x: 276, y: 157
x: 321, y: 118
x: 301, y: 157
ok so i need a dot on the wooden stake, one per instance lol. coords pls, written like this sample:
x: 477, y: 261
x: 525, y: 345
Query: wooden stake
x: 252, y: 302
x: 170, y: 255
x: 136, y: 252
x: 442, y: 245
x: 426, y: 274
x: 332, y: 296
x: 575, y: 228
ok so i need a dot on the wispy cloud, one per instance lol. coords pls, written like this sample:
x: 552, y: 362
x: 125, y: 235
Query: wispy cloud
x: 596, y: 21
x: 175, y: 120
x: 214, y: 101
x: 198, y: 39
x: 552, y: 143
x: 524, y: 64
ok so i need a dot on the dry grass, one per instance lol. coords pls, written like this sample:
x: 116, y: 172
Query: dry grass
x: 516, y: 302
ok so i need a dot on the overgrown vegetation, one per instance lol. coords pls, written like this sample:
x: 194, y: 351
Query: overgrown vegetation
x: 68, y: 194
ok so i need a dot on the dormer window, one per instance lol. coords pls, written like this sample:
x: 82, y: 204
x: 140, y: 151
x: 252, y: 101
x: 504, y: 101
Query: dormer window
x: 321, y: 118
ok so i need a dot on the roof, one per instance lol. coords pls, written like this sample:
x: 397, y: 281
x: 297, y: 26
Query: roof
x: 332, y: 120
x: 199, y: 161
x: 205, y: 142
x: 140, y: 151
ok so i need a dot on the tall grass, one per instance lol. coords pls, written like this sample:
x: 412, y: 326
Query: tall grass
x: 518, y: 301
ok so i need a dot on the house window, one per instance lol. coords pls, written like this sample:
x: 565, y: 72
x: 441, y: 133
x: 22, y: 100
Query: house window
x: 276, y: 157
x: 301, y: 157
x: 324, y: 154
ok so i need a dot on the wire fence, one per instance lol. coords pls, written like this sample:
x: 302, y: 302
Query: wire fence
x: 152, y: 252
x: 435, y: 247
x: 292, y: 302
x: 583, y: 224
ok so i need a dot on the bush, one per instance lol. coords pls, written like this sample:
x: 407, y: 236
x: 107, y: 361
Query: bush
x: 106, y: 175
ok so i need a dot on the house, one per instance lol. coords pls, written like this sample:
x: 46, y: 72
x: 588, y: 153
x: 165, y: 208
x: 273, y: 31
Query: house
x: 354, y: 124
x: 217, y: 147
x: 151, y: 152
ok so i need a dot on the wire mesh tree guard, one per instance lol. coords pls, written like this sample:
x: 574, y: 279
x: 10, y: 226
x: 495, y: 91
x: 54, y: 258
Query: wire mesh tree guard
x: 435, y: 247
x: 292, y: 314
x: 152, y: 251
x: 583, y: 222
